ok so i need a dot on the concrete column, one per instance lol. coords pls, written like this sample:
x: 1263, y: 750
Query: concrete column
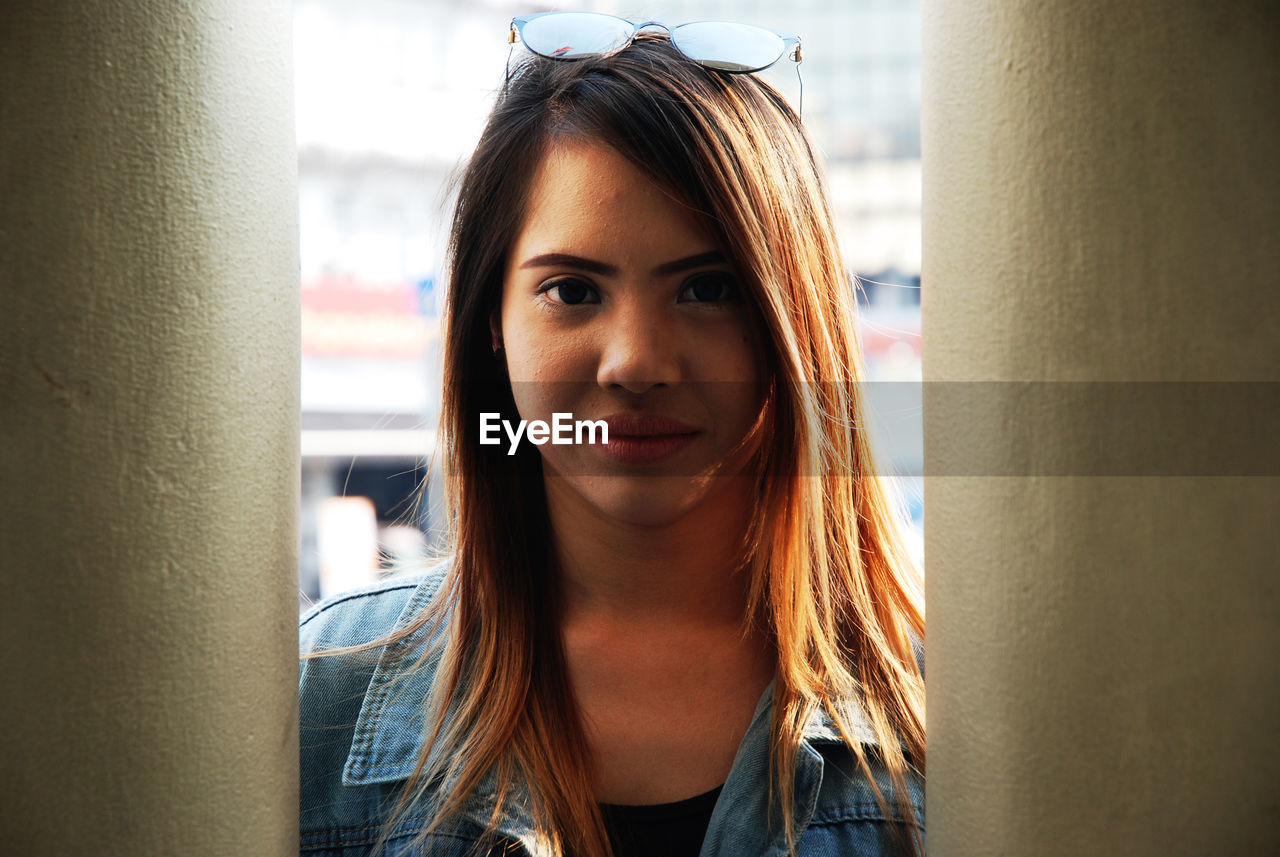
x: 148, y: 428
x: 1102, y: 204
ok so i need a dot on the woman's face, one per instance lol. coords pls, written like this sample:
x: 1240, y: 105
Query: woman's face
x: 619, y: 305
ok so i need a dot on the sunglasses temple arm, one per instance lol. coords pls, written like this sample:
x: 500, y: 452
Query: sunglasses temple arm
x: 800, y: 104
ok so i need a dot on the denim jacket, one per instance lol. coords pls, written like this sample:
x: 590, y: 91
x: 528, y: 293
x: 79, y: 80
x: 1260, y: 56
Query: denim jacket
x: 362, y: 719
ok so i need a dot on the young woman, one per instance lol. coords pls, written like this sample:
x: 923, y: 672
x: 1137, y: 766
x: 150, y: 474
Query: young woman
x: 701, y: 637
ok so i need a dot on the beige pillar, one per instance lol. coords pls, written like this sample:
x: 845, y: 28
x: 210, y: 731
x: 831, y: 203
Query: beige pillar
x: 1102, y: 203
x: 148, y: 429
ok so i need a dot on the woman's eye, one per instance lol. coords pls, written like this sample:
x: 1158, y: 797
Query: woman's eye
x: 569, y: 291
x: 712, y: 287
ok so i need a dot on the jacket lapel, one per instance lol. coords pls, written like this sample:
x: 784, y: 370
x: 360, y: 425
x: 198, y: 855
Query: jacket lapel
x: 389, y: 731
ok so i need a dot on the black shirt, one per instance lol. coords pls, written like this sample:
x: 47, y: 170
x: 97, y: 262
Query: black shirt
x: 660, y: 830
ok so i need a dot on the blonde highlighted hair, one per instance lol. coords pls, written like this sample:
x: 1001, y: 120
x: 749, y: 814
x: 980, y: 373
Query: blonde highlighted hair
x: 829, y: 581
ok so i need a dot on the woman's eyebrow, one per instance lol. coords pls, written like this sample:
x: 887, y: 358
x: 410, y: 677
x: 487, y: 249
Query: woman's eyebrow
x: 688, y: 263
x: 565, y: 260
x: 666, y: 269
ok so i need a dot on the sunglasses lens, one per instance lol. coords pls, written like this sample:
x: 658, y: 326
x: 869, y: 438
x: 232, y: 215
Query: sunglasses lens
x: 571, y: 35
x: 728, y: 46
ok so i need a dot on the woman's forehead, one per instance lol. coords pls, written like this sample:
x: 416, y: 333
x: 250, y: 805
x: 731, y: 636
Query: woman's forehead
x: 590, y: 193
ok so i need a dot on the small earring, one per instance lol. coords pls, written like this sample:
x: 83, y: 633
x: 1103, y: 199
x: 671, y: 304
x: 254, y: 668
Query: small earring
x: 497, y: 349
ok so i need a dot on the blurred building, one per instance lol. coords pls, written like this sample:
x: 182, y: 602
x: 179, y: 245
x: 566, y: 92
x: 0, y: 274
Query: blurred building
x: 391, y: 95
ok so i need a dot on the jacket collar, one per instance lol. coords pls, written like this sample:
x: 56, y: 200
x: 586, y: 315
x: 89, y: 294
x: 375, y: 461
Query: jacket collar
x: 389, y: 731
x: 391, y: 728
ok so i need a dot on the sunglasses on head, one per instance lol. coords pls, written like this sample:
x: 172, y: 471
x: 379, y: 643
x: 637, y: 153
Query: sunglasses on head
x: 721, y: 45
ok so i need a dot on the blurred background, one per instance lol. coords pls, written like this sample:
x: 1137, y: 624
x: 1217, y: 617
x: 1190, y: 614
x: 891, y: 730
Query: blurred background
x: 391, y: 98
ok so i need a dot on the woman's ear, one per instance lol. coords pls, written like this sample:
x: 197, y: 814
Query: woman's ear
x: 495, y: 329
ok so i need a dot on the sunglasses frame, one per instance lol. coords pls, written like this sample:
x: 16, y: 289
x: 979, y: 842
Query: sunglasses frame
x: 790, y: 43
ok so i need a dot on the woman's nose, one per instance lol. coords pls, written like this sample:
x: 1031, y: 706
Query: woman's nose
x: 639, y: 352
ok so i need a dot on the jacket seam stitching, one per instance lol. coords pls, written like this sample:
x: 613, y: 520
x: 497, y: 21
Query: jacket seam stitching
x: 859, y: 812
x: 321, y: 608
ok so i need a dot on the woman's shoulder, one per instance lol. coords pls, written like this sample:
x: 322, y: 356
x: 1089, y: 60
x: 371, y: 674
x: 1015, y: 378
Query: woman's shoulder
x: 347, y: 719
x: 341, y: 643
x: 362, y: 615
x: 860, y: 807
x: 849, y: 787
x: 849, y: 816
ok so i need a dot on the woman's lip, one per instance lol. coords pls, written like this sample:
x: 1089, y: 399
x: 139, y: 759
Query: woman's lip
x: 650, y: 449
x: 647, y: 426
x: 646, y: 438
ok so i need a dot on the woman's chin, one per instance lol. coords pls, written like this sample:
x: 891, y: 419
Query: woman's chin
x: 638, y: 501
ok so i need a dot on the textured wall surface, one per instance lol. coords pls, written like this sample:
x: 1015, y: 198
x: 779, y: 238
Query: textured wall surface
x: 148, y: 428
x: 1101, y: 203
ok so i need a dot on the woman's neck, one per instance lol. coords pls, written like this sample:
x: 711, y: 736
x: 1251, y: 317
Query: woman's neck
x: 685, y: 570
x: 664, y: 678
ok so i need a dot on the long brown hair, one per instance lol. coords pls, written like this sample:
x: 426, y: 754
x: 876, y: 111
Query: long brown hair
x: 830, y: 583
